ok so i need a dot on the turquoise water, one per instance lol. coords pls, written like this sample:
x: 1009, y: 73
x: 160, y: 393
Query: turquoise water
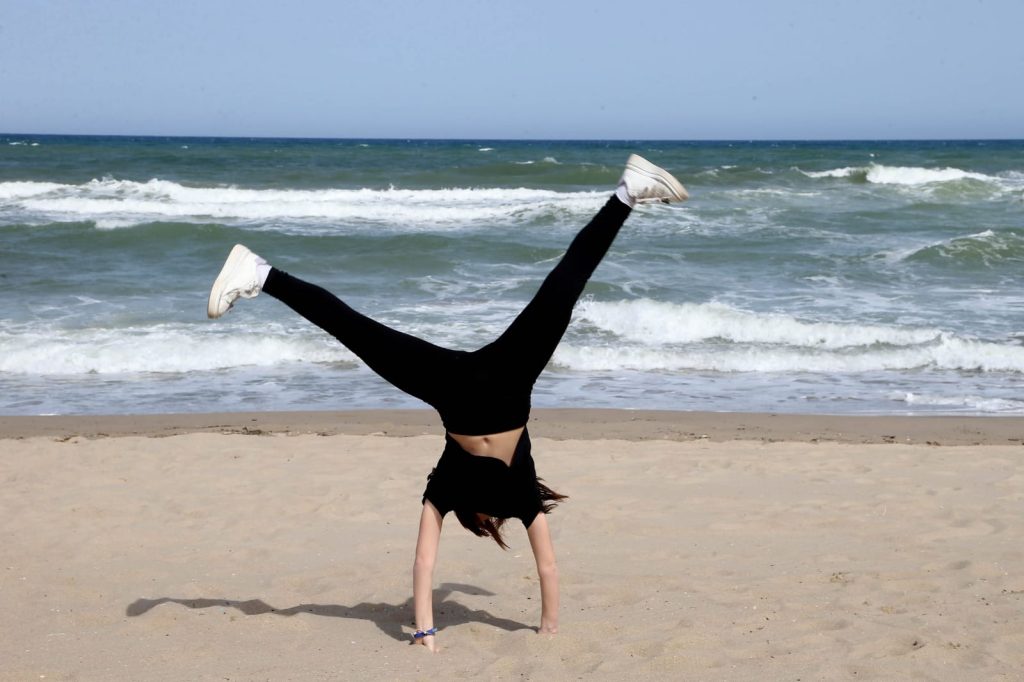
x: 851, y: 278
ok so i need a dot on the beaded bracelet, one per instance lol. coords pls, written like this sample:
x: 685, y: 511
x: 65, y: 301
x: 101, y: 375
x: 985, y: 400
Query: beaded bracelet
x: 420, y: 634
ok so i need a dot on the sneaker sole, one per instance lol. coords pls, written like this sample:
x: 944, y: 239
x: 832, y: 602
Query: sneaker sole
x: 644, y: 167
x: 237, y: 254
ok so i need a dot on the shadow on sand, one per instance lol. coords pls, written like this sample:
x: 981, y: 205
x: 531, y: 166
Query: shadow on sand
x: 389, y: 618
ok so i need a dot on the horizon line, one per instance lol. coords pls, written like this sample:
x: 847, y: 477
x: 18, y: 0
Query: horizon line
x: 404, y: 138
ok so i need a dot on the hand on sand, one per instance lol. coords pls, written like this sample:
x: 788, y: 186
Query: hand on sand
x: 548, y: 628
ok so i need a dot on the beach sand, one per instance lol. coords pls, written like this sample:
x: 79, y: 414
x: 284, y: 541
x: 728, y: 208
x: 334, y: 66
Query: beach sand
x: 693, y: 546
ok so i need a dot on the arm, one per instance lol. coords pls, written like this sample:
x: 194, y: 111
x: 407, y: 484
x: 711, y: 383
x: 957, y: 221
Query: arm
x: 547, y: 570
x: 423, y: 571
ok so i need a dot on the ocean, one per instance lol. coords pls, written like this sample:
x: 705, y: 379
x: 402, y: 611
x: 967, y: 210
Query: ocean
x: 801, y: 277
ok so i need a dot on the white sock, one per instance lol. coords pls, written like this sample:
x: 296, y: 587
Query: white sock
x: 262, y: 270
x: 623, y: 195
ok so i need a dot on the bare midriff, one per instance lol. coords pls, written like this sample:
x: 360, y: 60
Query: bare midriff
x: 500, y: 446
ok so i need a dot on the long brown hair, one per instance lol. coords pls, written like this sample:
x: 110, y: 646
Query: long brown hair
x: 490, y: 526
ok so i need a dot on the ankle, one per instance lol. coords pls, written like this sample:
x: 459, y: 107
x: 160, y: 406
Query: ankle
x: 262, y: 271
x: 622, y: 194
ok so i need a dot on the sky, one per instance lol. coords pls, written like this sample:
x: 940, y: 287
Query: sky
x: 529, y: 69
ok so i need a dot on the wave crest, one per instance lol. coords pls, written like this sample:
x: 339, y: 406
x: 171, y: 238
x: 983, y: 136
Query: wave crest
x: 986, y: 249
x: 902, y: 175
x: 116, y: 203
x: 673, y: 323
x: 647, y: 335
x: 155, y: 349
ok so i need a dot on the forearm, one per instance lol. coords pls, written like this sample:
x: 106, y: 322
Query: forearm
x: 423, y: 572
x: 548, y: 599
x: 423, y: 594
x: 547, y: 571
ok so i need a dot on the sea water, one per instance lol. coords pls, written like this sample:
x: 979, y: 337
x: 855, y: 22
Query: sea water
x: 843, y: 277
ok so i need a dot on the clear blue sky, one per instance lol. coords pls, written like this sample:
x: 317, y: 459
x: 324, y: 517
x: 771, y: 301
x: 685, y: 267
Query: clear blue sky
x: 715, y: 69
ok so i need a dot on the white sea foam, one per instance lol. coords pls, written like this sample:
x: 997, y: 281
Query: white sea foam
x: 899, y: 175
x: 970, y: 403
x: 834, y: 173
x: 902, y: 175
x: 14, y: 190
x: 119, y: 203
x: 646, y: 335
x: 673, y: 323
x: 156, y: 349
x: 950, y: 354
x: 641, y: 335
x: 547, y: 159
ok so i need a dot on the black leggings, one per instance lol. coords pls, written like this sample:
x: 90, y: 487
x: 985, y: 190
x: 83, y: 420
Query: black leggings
x: 481, y: 392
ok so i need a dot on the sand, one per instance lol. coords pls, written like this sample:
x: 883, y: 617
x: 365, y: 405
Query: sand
x: 694, y: 546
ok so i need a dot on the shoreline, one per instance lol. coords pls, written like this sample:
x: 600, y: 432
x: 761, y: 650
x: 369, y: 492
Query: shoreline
x: 554, y: 423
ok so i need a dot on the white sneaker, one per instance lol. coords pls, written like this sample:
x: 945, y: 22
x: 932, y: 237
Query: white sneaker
x: 237, y: 278
x: 645, y: 182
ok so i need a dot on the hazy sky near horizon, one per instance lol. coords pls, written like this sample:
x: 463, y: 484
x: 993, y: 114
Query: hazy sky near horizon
x: 662, y: 69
